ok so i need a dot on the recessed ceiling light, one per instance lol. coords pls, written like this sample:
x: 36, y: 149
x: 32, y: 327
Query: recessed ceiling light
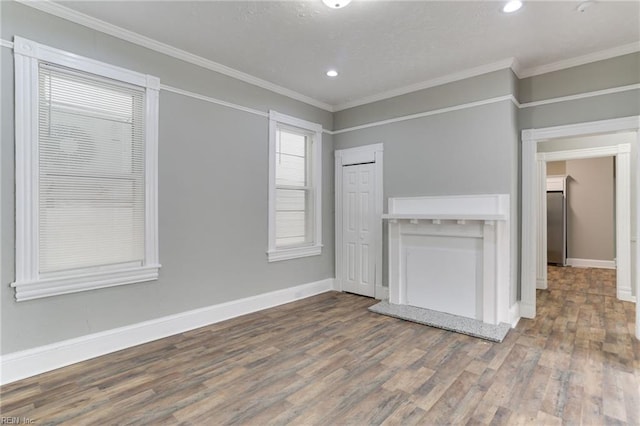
x: 336, y: 4
x: 512, y: 6
x: 332, y: 73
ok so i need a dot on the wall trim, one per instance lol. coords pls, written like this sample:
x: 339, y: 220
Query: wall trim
x: 601, y: 55
x: 626, y: 296
x: 64, y: 12
x: 614, y: 125
x: 511, y: 63
x: 584, y: 95
x: 212, y: 100
x: 527, y: 310
x: 205, y: 98
x: 541, y: 284
x: 382, y: 293
x: 612, y: 90
x: 22, y: 364
x: 220, y: 102
x: 591, y: 263
x: 579, y: 96
x: 514, y: 314
x: 52, y: 8
x: 429, y: 113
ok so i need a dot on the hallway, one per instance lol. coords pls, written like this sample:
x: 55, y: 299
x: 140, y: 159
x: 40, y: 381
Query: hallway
x: 588, y: 337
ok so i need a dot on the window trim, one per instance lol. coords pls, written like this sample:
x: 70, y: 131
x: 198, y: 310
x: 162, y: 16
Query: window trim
x: 29, y: 283
x: 274, y: 253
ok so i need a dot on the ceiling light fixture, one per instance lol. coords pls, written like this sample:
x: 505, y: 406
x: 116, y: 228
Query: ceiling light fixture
x: 512, y: 6
x: 332, y: 73
x: 336, y: 4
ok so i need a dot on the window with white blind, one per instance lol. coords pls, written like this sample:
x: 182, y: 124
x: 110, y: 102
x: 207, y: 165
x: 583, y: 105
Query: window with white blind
x: 295, y: 149
x: 86, y: 172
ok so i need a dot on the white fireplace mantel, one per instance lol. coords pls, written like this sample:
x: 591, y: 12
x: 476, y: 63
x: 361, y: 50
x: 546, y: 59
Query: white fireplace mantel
x: 451, y: 254
x: 451, y: 207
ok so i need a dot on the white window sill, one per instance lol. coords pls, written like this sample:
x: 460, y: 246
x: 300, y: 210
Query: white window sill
x: 27, y: 290
x: 293, y: 253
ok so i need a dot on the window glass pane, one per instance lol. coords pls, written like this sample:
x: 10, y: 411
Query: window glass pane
x: 291, y: 162
x: 91, y: 171
x: 292, y: 217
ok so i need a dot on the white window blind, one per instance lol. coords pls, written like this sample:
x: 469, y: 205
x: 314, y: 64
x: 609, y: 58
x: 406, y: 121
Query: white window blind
x: 86, y: 173
x: 91, y: 146
x: 294, y: 189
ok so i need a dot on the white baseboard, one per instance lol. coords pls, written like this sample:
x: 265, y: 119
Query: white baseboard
x: 30, y: 362
x: 625, y: 294
x: 591, y: 263
x: 541, y: 284
x: 527, y: 310
x: 382, y: 293
x: 514, y: 314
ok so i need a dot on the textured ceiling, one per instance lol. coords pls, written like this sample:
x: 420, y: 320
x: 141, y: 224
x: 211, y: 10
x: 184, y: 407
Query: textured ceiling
x: 377, y: 46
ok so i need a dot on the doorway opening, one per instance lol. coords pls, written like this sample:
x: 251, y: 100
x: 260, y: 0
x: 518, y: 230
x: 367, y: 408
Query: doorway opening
x: 580, y: 213
x: 534, y: 256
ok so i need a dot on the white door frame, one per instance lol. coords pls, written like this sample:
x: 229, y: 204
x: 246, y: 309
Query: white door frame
x: 344, y: 157
x: 622, y: 154
x: 534, y: 202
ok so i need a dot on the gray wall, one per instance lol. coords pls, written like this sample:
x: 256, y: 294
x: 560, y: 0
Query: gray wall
x: 486, y: 86
x: 448, y: 153
x: 213, y: 233
x: 212, y: 195
x: 468, y: 151
x: 601, y: 75
x: 590, y: 206
x: 419, y: 153
x: 590, y: 209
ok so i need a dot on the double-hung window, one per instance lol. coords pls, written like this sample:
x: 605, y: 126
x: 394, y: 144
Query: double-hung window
x: 86, y: 167
x: 295, y: 150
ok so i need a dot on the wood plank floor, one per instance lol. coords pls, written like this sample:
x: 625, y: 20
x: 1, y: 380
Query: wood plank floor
x: 326, y: 360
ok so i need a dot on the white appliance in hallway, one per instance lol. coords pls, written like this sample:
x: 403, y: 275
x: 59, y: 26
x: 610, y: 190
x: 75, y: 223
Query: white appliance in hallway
x: 556, y: 220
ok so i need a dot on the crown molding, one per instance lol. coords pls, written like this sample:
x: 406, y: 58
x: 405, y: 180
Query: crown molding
x: 439, y: 81
x: 511, y: 63
x: 625, y: 49
x: 47, y: 6
x: 516, y: 67
x: 52, y: 8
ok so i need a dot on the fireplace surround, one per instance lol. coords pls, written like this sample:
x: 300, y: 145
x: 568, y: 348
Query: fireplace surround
x: 451, y: 254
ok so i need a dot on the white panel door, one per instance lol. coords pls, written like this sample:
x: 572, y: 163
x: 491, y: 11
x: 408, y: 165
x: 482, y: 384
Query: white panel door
x: 358, y: 221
